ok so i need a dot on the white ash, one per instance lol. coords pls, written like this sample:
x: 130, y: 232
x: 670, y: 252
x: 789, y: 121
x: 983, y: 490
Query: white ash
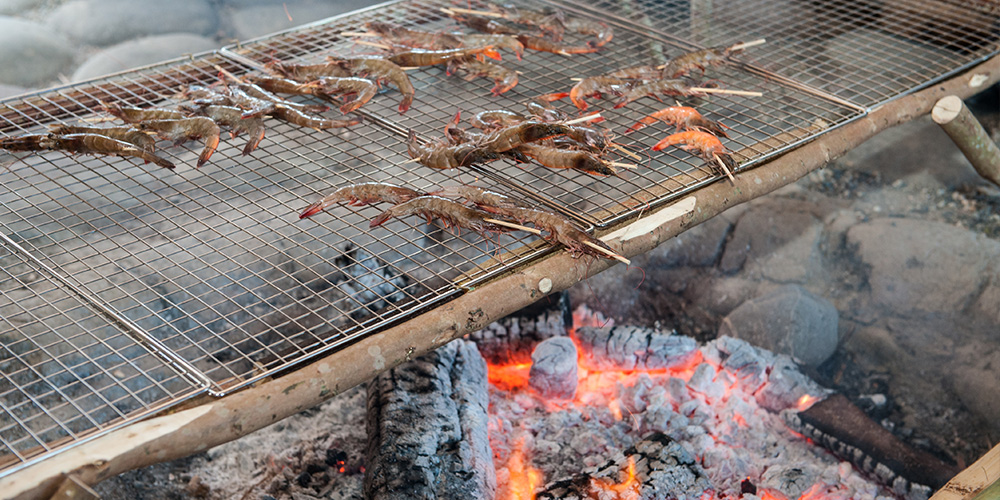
x: 724, y: 410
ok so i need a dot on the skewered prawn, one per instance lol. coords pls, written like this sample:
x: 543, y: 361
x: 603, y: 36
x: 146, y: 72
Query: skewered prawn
x: 81, y: 144
x: 484, y: 199
x: 452, y: 214
x: 135, y: 115
x: 510, y: 137
x: 700, y: 59
x: 250, y: 90
x: 703, y: 144
x: 545, y: 45
x: 324, y: 88
x: 430, y: 57
x: 559, y: 230
x: 553, y: 157
x: 180, y: 130
x: 442, y: 156
x: 307, y: 72
x: 130, y: 135
x: 495, y: 118
x: 413, y: 38
x: 601, y: 31
x: 361, y: 194
x: 504, y: 79
x: 380, y: 69
x: 589, y: 87
x: 296, y: 117
x: 681, y: 117
x: 232, y: 117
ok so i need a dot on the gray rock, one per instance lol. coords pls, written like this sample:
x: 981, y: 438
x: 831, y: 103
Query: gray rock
x: 260, y: 19
x: 106, y: 22
x: 788, y: 320
x: 989, y: 300
x: 919, y: 265
x: 141, y: 52
x: 778, y: 241
x: 17, y: 6
x: 699, y: 246
x: 554, y: 368
x: 976, y: 387
x: 32, y: 55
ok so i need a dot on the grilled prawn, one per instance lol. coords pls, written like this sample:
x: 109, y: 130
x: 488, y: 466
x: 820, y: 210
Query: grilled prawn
x: 681, y: 117
x: 703, y: 144
x: 452, y: 214
x: 81, y: 144
x: 380, y: 69
x: 361, y: 194
x: 183, y: 129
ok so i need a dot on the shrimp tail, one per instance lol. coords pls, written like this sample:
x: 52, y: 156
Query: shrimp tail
x: 380, y: 219
x: 555, y: 96
x: 312, y: 210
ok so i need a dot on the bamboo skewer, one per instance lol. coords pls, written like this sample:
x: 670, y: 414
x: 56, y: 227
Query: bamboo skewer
x: 227, y: 73
x: 724, y: 168
x: 373, y: 44
x: 626, y: 152
x: 607, y: 252
x: 514, y: 226
x: 623, y: 165
x: 746, y: 45
x: 359, y: 33
x: 726, y: 91
x: 582, y: 119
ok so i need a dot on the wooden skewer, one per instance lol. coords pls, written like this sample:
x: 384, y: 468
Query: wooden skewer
x: 409, y: 68
x: 576, y: 79
x: 411, y: 160
x: 724, y: 168
x: 622, y: 165
x: 626, y: 152
x: 227, y: 73
x: 582, y: 119
x: 514, y: 226
x: 358, y: 33
x: 484, y: 13
x: 607, y: 252
x: 726, y: 91
x: 741, y: 46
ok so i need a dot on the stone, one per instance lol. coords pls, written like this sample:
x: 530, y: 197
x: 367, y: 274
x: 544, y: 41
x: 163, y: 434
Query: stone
x: 107, y: 22
x: 918, y: 265
x: 141, y: 52
x: 699, y: 246
x: 788, y: 320
x: 259, y: 18
x: 8, y: 7
x: 778, y: 241
x: 554, y: 368
x: 975, y: 384
x: 33, y: 55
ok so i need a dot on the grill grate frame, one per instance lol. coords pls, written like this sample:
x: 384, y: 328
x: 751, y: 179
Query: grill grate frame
x: 194, y: 229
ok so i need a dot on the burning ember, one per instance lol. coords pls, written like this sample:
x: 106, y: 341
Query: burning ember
x: 656, y: 416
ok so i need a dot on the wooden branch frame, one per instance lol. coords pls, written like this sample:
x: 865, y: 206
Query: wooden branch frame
x: 213, y: 422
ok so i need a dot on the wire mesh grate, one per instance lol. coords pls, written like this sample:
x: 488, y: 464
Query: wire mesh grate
x: 864, y: 51
x: 66, y: 371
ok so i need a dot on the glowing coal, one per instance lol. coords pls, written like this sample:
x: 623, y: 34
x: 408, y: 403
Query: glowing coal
x: 723, y: 404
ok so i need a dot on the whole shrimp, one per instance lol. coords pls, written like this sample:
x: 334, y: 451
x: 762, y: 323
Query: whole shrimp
x: 296, y: 117
x: 553, y: 157
x: 681, y: 117
x: 503, y: 78
x: 512, y: 136
x: 483, y: 199
x: 441, y: 156
x: 380, y: 69
x: 505, y: 42
x: 700, y: 59
x: 413, y: 38
x: 307, y: 72
x: 365, y: 193
x: 547, y: 20
x: 429, y: 57
x: 644, y: 72
x: 559, y: 230
x: 655, y: 88
x: 130, y: 135
x: 452, y: 214
x: 182, y: 129
x: 600, y: 31
x: 81, y: 144
x: 485, y: 24
x: 247, y: 92
x: 590, y: 86
x: 491, y: 119
x: 542, y: 44
x: 703, y: 144
x: 324, y: 88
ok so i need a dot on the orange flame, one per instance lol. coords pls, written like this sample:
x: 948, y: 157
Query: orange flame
x: 523, y: 477
x: 625, y: 490
x: 805, y: 402
x: 616, y: 409
x: 509, y: 377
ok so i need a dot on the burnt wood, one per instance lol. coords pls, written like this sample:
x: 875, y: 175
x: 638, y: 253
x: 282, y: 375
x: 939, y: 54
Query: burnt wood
x: 426, y: 423
x: 847, y: 432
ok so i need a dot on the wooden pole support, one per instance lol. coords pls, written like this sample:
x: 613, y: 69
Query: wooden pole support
x: 963, y: 128
x: 975, y: 481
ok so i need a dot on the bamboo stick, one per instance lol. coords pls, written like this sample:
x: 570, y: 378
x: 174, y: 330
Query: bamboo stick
x: 963, y: 128
x: 373, y: 44
x: 358, y: 33
x: 484, y: 13
x: 726, y: 91
x: 582, y: 119
x: 626, y: 152
x: 724, y: 168
x: 746, y: 45
x: 514, y: 226
x: 227, y: 73
x: 629, y: 166
x: 607, y: 252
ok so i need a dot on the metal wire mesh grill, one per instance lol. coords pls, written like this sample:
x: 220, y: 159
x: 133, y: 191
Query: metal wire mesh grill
x: 864, y: 51
x: 65, y: 370
x: 760, y: 126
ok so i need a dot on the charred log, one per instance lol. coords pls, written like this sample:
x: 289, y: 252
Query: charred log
x: 656, y: 468
x: 427, y: 435
x: 513, y: 338
x: 847, y: 432
x: 635, y: 348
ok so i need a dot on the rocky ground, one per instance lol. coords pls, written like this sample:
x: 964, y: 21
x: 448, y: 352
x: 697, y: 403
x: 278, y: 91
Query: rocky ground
x: 52, y: 42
